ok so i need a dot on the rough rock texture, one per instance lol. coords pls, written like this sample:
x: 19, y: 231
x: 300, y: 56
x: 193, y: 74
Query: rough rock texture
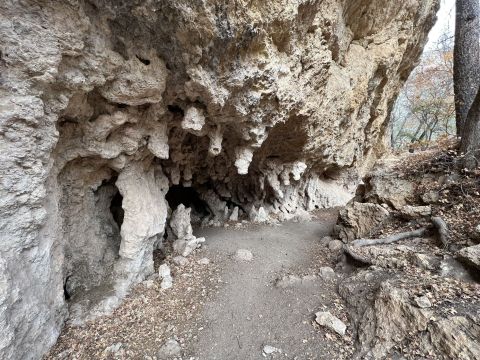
x: 390, y: 189
x: 386, y: 311
x: 357, y: 220
x: 105, y: 106
x: 471, y: 255
x: 326, y: 319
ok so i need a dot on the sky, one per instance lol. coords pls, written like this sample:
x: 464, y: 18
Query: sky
x: 445, y: 20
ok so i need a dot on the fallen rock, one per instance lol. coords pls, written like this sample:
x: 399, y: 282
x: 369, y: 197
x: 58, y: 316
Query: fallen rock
x: 427, y: 262
x: 414, y: 212
x: 358, y: 220
x: 470, y: 255
x: 335, y: 245
x: 167, y: 283
x: 163, y: 271
x: 324, y: 241
x: 423, y: 302
x: 326, y: 273
x: 453, y: 268
x: 180, y: 260
x: 325, y: 318
x: 268, y: 350
x: 169, y: 350
x: 430, y: 197
x: 391, y: 317
x: 180, y: 222
x: 243, y: 255
x: 388, y: 188
x: 185, y: 247
x: 165, y: 274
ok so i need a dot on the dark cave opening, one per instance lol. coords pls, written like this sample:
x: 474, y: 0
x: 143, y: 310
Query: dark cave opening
x: 189, y: 197
x: 116, y: 209
x: 144, y: 61
x: 66, y: 289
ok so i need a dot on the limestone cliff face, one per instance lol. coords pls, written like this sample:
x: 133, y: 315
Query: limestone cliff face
x: 106, y: 105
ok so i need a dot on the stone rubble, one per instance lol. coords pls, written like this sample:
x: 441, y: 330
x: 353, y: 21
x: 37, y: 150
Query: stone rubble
x: 325, y: 318
x: 470, y: 255
x: 269, y: 350
x: 166, y: 276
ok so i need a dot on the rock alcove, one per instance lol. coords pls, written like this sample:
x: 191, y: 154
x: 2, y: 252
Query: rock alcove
x: 273, y: 108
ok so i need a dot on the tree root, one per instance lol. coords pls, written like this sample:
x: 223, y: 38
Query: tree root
x: 439, y: 225
x: 357, y: 257
x: 390, y: 239
x: 441, y: 230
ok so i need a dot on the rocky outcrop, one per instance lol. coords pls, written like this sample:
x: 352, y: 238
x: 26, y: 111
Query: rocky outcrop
x: 358, y: 220
x: 428, y: 315
x: 471, y: 256
x: 107, y: 108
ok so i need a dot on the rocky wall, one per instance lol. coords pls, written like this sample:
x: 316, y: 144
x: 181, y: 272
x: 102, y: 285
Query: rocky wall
x: 271, y: 107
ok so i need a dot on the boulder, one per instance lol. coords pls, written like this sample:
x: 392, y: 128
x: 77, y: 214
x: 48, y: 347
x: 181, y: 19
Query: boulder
x: 388, y: 188
x: 470, y: 255
x: 358, y: 220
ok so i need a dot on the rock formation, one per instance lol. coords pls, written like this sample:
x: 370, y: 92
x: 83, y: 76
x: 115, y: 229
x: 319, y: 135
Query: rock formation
x: 108, y: 108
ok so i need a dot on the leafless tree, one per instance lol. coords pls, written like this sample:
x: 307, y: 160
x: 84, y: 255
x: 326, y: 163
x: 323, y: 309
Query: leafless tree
x: 466, y: 70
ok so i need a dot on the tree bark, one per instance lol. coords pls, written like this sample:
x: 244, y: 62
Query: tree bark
x: 470, y: 143
x: 466, y: 62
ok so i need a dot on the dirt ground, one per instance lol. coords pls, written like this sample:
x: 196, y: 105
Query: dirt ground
x: 227, y: 309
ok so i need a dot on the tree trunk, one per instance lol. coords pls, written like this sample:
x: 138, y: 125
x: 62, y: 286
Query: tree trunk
x: 466, y: 62
x: 470, y: 144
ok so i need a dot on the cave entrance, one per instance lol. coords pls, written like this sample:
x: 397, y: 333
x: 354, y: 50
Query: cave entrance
x: 92, y: 245
x: 116, y: 208
x: 189, y: 197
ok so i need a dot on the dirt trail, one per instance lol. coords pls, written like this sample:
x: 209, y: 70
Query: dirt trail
x: 250, y: 311
x: 226, y: 309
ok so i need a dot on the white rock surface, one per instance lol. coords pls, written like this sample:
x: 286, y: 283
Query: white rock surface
x: 470, y: 255
x: 415, y: 212
x: 243, y: 255
x: 325, y: 318
x: 180, y: 222
x: 163, y: 271
x: 186, y: 246
x: 234, y: 214
x: 269, y: 350
x: 423, y: 302
x: 326, y: 273
x: 166, y: 276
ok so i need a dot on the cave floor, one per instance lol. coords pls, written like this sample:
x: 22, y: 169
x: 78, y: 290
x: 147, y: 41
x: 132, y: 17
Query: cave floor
x: 227, y: 309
